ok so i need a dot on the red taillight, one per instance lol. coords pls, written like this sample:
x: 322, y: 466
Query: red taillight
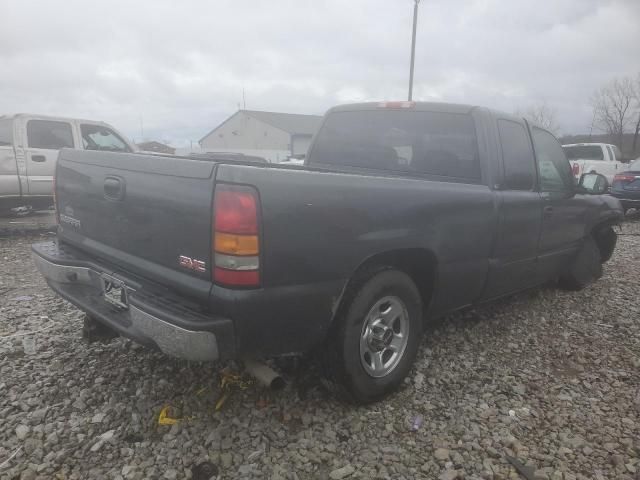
x: 236, y: 210
x: 575, y: 168
x: 235, y: 245
x: 240, y: 278
x: 623, y: 177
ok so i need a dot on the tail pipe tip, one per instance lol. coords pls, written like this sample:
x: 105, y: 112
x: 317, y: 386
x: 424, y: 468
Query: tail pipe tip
x: 264, y: 374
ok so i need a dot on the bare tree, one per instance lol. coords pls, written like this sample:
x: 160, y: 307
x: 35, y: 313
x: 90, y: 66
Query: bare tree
x: 542, y: 115
x: 637, y: 108
x: 613, y: 106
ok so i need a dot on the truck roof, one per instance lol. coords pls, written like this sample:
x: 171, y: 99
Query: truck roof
x: 13, y: 116
x: 401, y: 105
x: 442, y: 107
x: 587, y: 144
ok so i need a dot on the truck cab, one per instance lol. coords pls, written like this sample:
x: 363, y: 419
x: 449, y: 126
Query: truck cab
x: 602, y: 158
x: 29, y: 146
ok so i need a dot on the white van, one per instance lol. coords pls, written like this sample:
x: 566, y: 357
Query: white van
x: 29, y: 146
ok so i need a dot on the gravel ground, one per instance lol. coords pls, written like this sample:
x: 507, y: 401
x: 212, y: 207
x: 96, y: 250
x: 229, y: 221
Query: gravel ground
x: 34, y: 223
x: 548, y: 377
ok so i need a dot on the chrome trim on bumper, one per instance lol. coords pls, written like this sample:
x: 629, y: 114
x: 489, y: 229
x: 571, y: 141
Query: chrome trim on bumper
x: 170, y: 339
x: 66, y: 274
x: 174, y: 340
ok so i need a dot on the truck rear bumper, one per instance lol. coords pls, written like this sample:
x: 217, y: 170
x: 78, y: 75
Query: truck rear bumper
x: 153, y: 318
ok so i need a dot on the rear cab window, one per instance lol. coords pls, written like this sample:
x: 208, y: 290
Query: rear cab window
x: 415, y: 142
x: 49, y: 134
x: 6, y: 132
x: 99, y: 137
x: 583, y: 152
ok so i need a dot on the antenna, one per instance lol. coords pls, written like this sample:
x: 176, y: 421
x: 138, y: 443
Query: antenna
x: 413, y: 47
x: 244, y: 102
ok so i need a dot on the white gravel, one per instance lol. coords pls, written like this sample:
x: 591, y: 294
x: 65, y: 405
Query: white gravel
x: 549, y: 377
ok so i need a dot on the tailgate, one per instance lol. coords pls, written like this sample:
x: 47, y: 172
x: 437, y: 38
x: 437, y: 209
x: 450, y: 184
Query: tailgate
x: 140, y: 211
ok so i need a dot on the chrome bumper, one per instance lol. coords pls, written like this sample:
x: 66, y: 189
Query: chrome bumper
x: 71, y: 282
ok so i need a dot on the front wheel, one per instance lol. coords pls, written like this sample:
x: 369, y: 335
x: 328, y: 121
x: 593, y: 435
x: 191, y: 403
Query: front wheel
x: 585, y: 268
x: 375, y: 337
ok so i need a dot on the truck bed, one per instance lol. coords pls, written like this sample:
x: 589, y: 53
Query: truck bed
x: 141, y: 213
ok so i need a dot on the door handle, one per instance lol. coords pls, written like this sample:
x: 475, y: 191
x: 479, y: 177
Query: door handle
x: 548, y: 211
x: 38, y: 158
x: 114, y: 188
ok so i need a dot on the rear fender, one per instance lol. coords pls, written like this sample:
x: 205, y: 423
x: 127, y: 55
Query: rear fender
x: 419, y: 263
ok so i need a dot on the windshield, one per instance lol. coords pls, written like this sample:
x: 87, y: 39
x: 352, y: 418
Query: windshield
x: 584, y: 152
x: 6, y: 132
x: 98, y: 137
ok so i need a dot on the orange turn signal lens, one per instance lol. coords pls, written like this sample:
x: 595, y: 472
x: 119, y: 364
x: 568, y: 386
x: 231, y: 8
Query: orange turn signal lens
x: 236, y: 244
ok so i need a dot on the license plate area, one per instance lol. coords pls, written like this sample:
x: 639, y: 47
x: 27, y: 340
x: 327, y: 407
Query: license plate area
x: 115, y: 291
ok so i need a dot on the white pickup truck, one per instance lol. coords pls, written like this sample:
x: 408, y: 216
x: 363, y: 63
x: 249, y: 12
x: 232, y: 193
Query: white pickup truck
x: 29, y: 146
x: 602, y: 158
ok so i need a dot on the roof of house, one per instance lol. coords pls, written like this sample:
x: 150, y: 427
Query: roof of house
x: 154, y: 146
x: 293, y: 123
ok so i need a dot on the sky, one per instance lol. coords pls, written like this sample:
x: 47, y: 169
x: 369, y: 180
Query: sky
x: 171, y: 71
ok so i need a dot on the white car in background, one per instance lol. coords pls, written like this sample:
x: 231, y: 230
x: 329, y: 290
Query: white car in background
x: 602, y: 158
x: 29, y: 146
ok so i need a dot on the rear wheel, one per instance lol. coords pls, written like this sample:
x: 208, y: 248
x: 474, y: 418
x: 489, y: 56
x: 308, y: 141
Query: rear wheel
x: 375, y: 337
x: 585, y: 268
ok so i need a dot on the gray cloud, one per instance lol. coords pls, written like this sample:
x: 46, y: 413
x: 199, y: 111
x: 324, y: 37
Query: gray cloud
x: 181, y: 66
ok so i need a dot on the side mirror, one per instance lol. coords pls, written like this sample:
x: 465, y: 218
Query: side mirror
x: 593, y: 184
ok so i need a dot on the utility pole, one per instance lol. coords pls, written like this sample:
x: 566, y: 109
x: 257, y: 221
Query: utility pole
x: 413, y: 47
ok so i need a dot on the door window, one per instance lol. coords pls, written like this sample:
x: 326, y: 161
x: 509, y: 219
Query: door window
x: 49, y: 134
x: 611, y: 156
x: 6, y: 132
x: 519, y: 166
x: 554, y: 169
x: 98, y: 137
x: 617, y: 151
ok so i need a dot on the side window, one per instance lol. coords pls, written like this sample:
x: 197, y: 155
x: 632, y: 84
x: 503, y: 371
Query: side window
x: 611, y: 156
x: 6, y: 132
x: 554, y: 169
x: 618, y: 153
x: 49, y: 134
x: 98, y: 137
x: 519, y: 166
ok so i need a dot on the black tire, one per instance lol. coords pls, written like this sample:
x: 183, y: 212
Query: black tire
x: 585, y: 268
x: 343, y: 366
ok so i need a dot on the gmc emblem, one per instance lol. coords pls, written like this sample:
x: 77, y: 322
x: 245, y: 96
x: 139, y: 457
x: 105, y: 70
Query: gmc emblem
x: 192, y: 264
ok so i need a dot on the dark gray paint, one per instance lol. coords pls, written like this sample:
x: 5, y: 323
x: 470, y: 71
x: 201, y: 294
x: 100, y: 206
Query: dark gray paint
x: 319, y: 225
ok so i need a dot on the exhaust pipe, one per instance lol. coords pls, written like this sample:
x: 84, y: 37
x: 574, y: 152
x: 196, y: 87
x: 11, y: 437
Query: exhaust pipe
x: 264, y: 374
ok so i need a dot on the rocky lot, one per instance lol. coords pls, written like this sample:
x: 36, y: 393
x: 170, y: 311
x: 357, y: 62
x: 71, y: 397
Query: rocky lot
x: 548, y: 377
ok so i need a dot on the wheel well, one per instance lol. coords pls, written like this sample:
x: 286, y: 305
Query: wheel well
x: 419, y: 263
x: 606, y: 239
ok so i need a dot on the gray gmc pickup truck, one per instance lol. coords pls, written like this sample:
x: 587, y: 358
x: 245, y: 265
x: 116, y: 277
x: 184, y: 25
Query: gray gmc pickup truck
x: 402, y: 212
